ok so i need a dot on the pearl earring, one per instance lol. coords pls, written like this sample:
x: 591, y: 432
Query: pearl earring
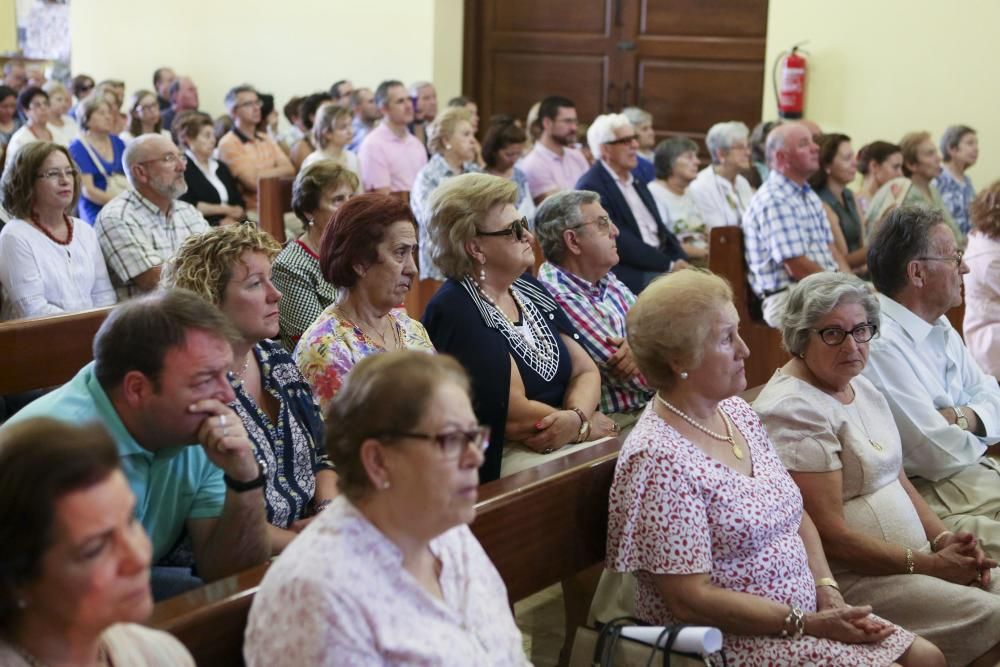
x: 447, y: 147
x: 385, y: 484
x: 684, y: 375
x: 482, y: 273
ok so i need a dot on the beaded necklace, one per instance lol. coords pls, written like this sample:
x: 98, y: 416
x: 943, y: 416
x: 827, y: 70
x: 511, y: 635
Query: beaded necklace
x: 45, y: 230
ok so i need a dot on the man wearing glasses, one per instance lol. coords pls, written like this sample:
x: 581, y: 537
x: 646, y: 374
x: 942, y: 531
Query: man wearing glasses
x: 646, y: 248
x: 143, y: 226
x: 946, y: 409
x: 249, y: 154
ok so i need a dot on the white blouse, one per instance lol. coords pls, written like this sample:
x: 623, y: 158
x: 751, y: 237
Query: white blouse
x: 40, y: 277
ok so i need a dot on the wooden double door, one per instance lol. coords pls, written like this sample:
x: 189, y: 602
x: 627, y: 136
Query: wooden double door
x: 691, y: 63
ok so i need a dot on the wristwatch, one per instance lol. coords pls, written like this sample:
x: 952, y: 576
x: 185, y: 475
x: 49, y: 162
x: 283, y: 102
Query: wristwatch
x: 256, y: 483
x: 960, y: 419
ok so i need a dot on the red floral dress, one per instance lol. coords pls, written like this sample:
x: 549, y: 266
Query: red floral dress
x: 675, y: 510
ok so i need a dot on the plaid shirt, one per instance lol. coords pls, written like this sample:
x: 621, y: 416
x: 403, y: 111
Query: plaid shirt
x: 598, y: 312
x: 135, y: 236
x: 956, y: 197
x: 783, y: 221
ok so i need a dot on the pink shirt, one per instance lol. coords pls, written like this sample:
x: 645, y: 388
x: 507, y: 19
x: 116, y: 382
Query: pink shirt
x: 981, y: 328
x: 339, y: 595
x: 388, y: 161
x: 648, y: 227
x: 548, y: 172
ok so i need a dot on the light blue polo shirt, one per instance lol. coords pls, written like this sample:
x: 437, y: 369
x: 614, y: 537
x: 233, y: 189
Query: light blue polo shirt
x: 170, y: 486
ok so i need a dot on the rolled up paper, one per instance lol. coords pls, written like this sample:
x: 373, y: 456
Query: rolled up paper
x: 702, y: 640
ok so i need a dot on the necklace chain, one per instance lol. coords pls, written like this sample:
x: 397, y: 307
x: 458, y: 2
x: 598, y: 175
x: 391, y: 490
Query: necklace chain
x: 728, y: 437
x: 370, y: 330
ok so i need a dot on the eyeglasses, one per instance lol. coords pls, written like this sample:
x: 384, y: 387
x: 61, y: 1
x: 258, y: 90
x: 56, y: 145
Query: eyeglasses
x: 452, y: 444
x: 624, y: 140
x: 834, y: 336
x: 148, y: 107
x: 603, y: 223
x: 170, y: 159
x: 518, y: 229
x: 57, y: 175
x: 956, y: 258
x: 253, y: 103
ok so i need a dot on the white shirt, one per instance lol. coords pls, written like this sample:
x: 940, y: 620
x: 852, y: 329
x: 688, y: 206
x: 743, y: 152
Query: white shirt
x: 921, y: 367
x: 40, y: 277
x: 981, y: 328
x: 719, y: 203
x: 18, y: 140
x: 648, y: 228
x: 69, y: 131
x: 348, y: 160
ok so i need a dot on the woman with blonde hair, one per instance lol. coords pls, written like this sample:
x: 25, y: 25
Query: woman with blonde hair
x: 231, y: 267
x: 332, y: 132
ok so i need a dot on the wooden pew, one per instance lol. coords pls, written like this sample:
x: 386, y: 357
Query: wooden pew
x: 274, y: 199
x: 726, y: 258
x: 538, y: 527
x: 46, y: 351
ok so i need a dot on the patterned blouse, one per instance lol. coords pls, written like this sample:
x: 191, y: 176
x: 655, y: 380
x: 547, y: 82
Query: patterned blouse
x: 330, y: 348
x: 292, y: 447
x: 305, y: 293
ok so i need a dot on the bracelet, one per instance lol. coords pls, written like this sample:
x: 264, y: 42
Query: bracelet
x: 797, y: 620
x: 934, y: 542
x: 909, y: 561
x: 827, y: 581
x: 584, y: 432
x: 579, y: 413
x: 323, y: 505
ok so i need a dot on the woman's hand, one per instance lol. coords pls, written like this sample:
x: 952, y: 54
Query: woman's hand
x: 602, y: 426
x: 851, y: 625
x: 828, y: 597
x: 235, y: 212
x: 555, y: 430
x: 960, y: 561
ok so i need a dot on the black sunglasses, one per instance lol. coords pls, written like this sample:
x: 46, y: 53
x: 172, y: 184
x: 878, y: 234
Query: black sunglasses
x: 518, y: 229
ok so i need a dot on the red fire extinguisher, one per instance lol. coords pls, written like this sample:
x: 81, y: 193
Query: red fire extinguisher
x: 789, y: 78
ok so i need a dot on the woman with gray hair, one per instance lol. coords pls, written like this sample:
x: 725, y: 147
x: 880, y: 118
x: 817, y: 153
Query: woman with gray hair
x: 676, y: 163
x: 960, y: 150
x: 834, y: 432
x: 98, y: 155
x: 720, y: 192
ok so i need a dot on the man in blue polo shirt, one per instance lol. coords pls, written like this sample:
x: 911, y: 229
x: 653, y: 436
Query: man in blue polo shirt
x: 159, y: 385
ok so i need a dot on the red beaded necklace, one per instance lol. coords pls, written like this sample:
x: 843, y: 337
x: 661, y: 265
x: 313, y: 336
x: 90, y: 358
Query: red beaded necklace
x: 69, y: 226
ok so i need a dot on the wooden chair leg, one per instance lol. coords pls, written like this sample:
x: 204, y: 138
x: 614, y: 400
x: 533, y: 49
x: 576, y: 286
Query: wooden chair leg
x: 578, y: 593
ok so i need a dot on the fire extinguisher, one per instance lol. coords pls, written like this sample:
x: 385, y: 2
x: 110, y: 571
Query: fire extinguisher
x: 789, y: 78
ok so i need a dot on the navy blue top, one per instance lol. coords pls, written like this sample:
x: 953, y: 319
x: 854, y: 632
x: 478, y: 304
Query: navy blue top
x: 644, y: 170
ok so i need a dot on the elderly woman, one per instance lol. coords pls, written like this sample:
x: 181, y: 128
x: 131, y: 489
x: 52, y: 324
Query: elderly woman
x: 453, y: 145
x: 231, y: 267
x: 642, y: 123
x: 720, y: 192
x: 676, y: 163
x: 503, y: 146
x: 143, y: 116
x: 368, y: 252
x: 9, y: 120
x: 98, y: 153
x: 62, y: 126
x: 705, y: 515
x: 317, y: 194
x: 33, y: 104
x: 834, y: 432
x: 837, y: 169
x: 960, y: 149
x: 74, y: 587
x: 981, y: 329
x: 533, y: 382
x: 758, y: 152
x: 391, y: 574
x: 332, y: 132
x: 879, y: 162
x: 211, y: 187
x: 50, y: 263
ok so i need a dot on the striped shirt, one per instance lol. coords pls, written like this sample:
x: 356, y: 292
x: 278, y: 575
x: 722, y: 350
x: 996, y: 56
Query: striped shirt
x: 305, y: 293
x: 598, y: 312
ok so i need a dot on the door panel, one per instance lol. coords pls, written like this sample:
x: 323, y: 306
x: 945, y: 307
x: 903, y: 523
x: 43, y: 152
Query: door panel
x: 739, y: 18
x: 578, y: 17
x: 573, y: 76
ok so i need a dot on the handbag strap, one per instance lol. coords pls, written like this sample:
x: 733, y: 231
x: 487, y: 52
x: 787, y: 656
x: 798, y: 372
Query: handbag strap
x: 96, y: 158
x: 607, y: 640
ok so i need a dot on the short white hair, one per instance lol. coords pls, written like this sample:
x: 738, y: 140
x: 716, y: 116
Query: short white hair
x: 722, y: 136
x: 414, y: 89
x: 637, y: 116
x: 602, y: 130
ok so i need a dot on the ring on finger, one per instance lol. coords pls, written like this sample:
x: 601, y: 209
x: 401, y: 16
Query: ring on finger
x: 222, y: 421
x: 225, y: 431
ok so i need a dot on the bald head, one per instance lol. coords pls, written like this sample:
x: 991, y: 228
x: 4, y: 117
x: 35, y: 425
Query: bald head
x: 791, y: 151
x: 155, y: 168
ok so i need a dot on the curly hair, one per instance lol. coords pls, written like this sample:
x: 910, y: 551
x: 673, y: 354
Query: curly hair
x: 204, y: 263
x: 984, y: 211
x: 21, y: 174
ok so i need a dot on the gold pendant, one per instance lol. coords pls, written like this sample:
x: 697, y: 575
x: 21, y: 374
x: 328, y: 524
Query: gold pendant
x: 877, y: 446
x: 737, y: 451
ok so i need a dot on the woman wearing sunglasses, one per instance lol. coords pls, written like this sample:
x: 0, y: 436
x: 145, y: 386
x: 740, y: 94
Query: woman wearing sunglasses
x: 534, y: 384
x: 390, y: 573
x: 836, y: 435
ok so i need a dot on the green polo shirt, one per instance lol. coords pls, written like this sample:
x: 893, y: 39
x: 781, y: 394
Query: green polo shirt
x: 170, y: 486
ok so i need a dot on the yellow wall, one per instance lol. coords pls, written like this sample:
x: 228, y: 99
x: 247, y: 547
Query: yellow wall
x: 879, y: 68
x: 284, y: 48
x: 8, y: 26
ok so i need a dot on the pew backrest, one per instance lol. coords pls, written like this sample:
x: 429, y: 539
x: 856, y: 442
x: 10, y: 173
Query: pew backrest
x: 274, y: 199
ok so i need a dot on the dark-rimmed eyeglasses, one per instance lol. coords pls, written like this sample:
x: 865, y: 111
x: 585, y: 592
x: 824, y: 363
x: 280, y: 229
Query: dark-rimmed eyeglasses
x: 624, y: 140
x: 603, y: 223
x: 518, y: 229
x: 453, y: 444
x: 835, y: 335
x: 956, y: 258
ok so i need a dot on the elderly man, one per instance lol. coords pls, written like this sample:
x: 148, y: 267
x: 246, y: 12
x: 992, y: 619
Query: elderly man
x: 183, y: 96
x: 391, y: 157
x: 578, y: 240
x: 163, y: 78
x: 425, y: 106
x: 143, y: 226
x: 946, y: 409
x: 553, y: 163
x: 249, y: 154
x: 341, y: 92
x: 786, y: 234
x: 366, y: 116
x: 14, y: 75
x: 646, y: 247
x: 159, y: 384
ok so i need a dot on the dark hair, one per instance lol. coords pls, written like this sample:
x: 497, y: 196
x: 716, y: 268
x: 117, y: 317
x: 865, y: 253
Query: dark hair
x: 829, y: 144
x: 291, y: 108
x: 158, y: 75
x: 502, y: 132
x: 21, y: 174
x: 549, y: 108
x: 308, y: 107
x: 666, y: 153
x: 384, y: 393
x: 137, y: 335
x: 758, y: 139
x: 903, y: 236
x: 27, y: 95
x: 41, y: 460
x: 382, y: 92
x: 309, y: 184
x: 335, y: 88
x: 266, y: 107
x: 353, y: 235
x: 81, y: 85
x: 879, y: 151
x: 460, y: 101
x: 135, y: 123
x: 223, y: 124
x: 7, y: 91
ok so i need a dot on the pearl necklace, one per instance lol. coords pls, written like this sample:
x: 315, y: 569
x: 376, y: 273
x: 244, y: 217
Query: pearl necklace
x: 728, y: 437
x: 539, y: 336
x: 238, y: 377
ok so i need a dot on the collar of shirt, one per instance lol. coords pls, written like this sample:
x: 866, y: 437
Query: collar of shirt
x: 389, y: 135
x: 244, y: 138
x: 213, y: 164
x: 915, y: 327
x: 542, y: 300
x: 153, y: 208
x: 545, y: 152
x: 785, y: 185
x: 575, y: 283
x: 622, y: 182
